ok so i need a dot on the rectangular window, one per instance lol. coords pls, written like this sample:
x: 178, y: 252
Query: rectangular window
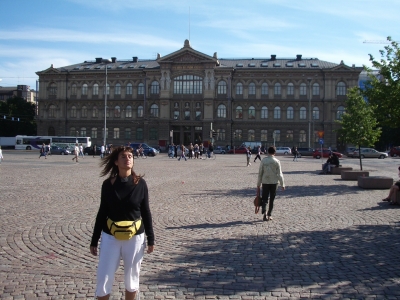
x: 187, y: 115
x: 153, y: 134
x: 139, y: 133
x: 103, y: 132
x: 127, y: 133
x: 116, y: 133
x: 94, y: 133
x: 198, y: 115
x: 176, y: 115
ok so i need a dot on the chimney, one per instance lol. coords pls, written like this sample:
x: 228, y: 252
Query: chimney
x: 113, y: 59
x: 98, y: 60
x: 273, y: 56
x: 135, y: 59
x: 298, y: 57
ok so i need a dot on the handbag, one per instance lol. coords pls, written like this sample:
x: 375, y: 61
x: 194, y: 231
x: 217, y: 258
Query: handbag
x: 124, y: 230
x: 257, y: 204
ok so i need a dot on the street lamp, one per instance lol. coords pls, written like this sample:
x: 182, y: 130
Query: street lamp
x: 105, y: 61
x: 309, y: 112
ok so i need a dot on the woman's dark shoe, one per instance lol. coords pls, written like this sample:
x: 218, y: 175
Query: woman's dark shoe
x: 265, y: 217
x: 386, y: 199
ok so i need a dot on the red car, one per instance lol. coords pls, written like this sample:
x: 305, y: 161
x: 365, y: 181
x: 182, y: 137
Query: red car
x: 240, y: 150
x: 325, y: 153
x: 395, y: 151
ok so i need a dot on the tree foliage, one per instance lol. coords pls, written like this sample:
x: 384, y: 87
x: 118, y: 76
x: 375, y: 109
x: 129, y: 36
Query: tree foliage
x: 384, y: 91
x: 24, y: 117
x: 358, y: 124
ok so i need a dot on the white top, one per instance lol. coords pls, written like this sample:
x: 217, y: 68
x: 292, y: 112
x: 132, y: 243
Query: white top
x: 102, y: 149
x: 1, y: 154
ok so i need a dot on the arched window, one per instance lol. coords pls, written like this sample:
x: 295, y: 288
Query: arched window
x: 239, y: 89
x: 73, y: 132
x: 140, y: 111
x: 290, y: 89
x: 221, y: 111
x: 84, y: 89
x: 95, y: 112
x: 221, y: 88
x: 252, y: 112
x: 315, y: 89
x: 303, y: 89
x: 277, y: 89
x: 264, y: 89
x: 117, y: 112
x: 140, y: 90
x: 84, y: 112
x: 128, y: 112
x: 73, y: 90
x: 277, y: 112
x: 303, y: 113
x: 73, y: 112
x: 52, y: 111
x: 154, y: 110
x: 95, y: 89
x: 315, y: 113
x: 155, y: 88
x: 239, y: 112
x: 276, y: 135
x: 237, y: 135
x: 117, y: 90
x: 339, y: 113
x: 341, y: 89
x: 264, y: 135
x: 252, y: 89
x: 289, y: 113
x: 51, y: 131
x: 107, y: 89
x: 83, y: 131
x: 139, y: 133
x: 94, y: 133
x: 188, y: 84
x: 129, y: 89
x: 302, y: 136
x: 264, y: 112
x: 116, y: 133
x: 220, y: 134
x: 251, y: 135
x: 53, y: 89
x: 289, y: 135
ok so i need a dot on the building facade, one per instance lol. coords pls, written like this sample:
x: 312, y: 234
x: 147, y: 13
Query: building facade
x: 181, y: 97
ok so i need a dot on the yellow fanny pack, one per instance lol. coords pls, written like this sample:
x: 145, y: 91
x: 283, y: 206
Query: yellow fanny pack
x: 124, y: 230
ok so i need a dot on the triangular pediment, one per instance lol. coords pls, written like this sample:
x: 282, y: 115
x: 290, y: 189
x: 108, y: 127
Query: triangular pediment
x: 49, y: 71
x: 341, y: 67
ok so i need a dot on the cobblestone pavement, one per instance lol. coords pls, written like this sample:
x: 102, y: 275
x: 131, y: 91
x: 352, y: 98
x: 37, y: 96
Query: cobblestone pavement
x: 329, y: 239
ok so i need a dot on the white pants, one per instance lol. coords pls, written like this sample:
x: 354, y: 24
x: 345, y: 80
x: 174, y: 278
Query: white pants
x: 111, y: 250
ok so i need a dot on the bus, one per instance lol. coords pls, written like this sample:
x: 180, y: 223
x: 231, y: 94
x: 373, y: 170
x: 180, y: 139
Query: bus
x: 25, y: 142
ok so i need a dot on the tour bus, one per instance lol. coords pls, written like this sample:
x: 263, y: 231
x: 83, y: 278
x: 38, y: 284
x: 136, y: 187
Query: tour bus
x: 24, y: 142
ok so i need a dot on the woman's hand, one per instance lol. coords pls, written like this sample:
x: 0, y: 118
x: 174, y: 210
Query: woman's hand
x: 150, y: 249
x: 93, y: 250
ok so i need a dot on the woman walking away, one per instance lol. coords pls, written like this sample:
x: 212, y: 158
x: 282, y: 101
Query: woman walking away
x: 269, y: 174
x: 258, y: 154
x: 124, y: 199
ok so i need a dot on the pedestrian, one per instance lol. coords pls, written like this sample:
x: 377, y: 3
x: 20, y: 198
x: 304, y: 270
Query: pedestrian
x: 201, y: 149
x: 175, y: 151
x: 1, y: 155
x: 210, y: 150
x: 76, y: 153
x: 269, y: 174
x: 196, y: 151
x: 102, y: 150
x: 94, y: 148
x: 43, y: 151
x: 81, y: 151
x: 258, y: 154
x: 295, y: 153
x: 190, y: 151
x: 124, y: 199
x: 48, y: 148
x: 248, y: 155
x: 182, y: 153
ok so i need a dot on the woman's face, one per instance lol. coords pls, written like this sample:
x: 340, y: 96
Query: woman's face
x: 125, y: 160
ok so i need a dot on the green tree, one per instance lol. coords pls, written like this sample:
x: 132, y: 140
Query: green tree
x: 384, y: 91
x: 358, y: 124
x: 24, y: 117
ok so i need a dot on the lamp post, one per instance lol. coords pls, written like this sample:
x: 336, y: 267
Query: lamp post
x: 309, y: 112
x: 105, y: 61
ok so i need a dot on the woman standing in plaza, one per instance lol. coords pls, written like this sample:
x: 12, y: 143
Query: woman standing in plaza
x: 124, y: 197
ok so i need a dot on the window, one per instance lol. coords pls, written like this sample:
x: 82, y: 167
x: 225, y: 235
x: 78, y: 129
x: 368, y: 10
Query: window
x: 315, y: 89
x: 176, y: 105
x: 187, y: 115
x: 155, y: 88
x: 264, y: 112
x: 252, y: 112
x: 290, y: 89
x: 187, y: 105
x: 154, y: 110
x: 339, y: 113
x: 127, y: 133
x: 95, y: 112
x: 303, y: 113
x: 153, y: 134
x: 276, y: 135
x: 107, y: 89
x: 73, y: 90
x: 303, y: 89
x: 220, y: 134
x: 129, y: 89
x: 221, y: 88
x: 289, y: 113
x: 94, y: 133
x: 289, y: 136
x: 252, y: 89
x: 117, y: 112
x: 139, y: 133
x: 176, y: 115
x: 221, y: 111
x: 198, y: 105
x: 95, y: 89
x: 264, y: 135
x: 198, y: 115
x: 239, y: 89
x: 188, y: 84
x: 140, y: 111
x: 341, y: 89
x: 277, y: 112
x: 84, y: 89
x: 128, y: 112
x: 251, y: 135
x: 277, y: 89
x: 53, y: 89
x: 264, y: 89
x: 315, y: 113
x: 72, y: 131
x: 238, y: 135
x: 52, y: 111
x: 238, y: 112
x: 102, y: 132
x: 83, y: 131
x: 73, y: 112
x: 117, y: 90
x: 107, y: 112
x: 140, y: 89
x: 116, y: 133
x: 84, y: 112
x: 302, y: 136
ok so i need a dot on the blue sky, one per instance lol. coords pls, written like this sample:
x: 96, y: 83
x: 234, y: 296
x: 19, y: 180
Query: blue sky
x: 37, y: 33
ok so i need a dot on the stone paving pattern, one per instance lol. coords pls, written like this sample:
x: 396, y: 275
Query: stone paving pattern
x: 329, y: 239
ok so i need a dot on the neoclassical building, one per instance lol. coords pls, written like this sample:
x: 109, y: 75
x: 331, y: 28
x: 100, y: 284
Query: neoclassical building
x: 182, y: 96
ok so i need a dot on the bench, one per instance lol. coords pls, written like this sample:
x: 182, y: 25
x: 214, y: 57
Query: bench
x: 338, y: 170
x: 353, y: 174
x: 375, y: 182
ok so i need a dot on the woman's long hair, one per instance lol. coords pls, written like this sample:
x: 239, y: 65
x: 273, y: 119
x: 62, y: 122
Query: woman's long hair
x: 109, y: 166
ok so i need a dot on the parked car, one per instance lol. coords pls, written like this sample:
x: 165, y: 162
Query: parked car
x: 370, y: 153
x: 305, y: 151
x: 89, y: 151
x: 350, y: 151
x: 59, y: 150
x: 395, y: 151
x: 219, y: 150
x: 283, y: 150
x: 148, y: 151
x: 325, y: 153
x: 240, y: 150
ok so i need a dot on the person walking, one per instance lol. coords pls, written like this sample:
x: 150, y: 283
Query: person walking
x: 182, y: 153
x: 76, y: 153
x: 196, y: 151
x: 94, y: 148
x: 190, y: 154
x: 102, y: 150
x: 48, y: 149
x: 295, y: 153
x: 43, y: 151
x: 1, y: 155
x: 201, y: 150
x: 124, y: 198
x: 81, y: 151
x: 248, y: 155
x: 258, y: 154
x: 269, y: 174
